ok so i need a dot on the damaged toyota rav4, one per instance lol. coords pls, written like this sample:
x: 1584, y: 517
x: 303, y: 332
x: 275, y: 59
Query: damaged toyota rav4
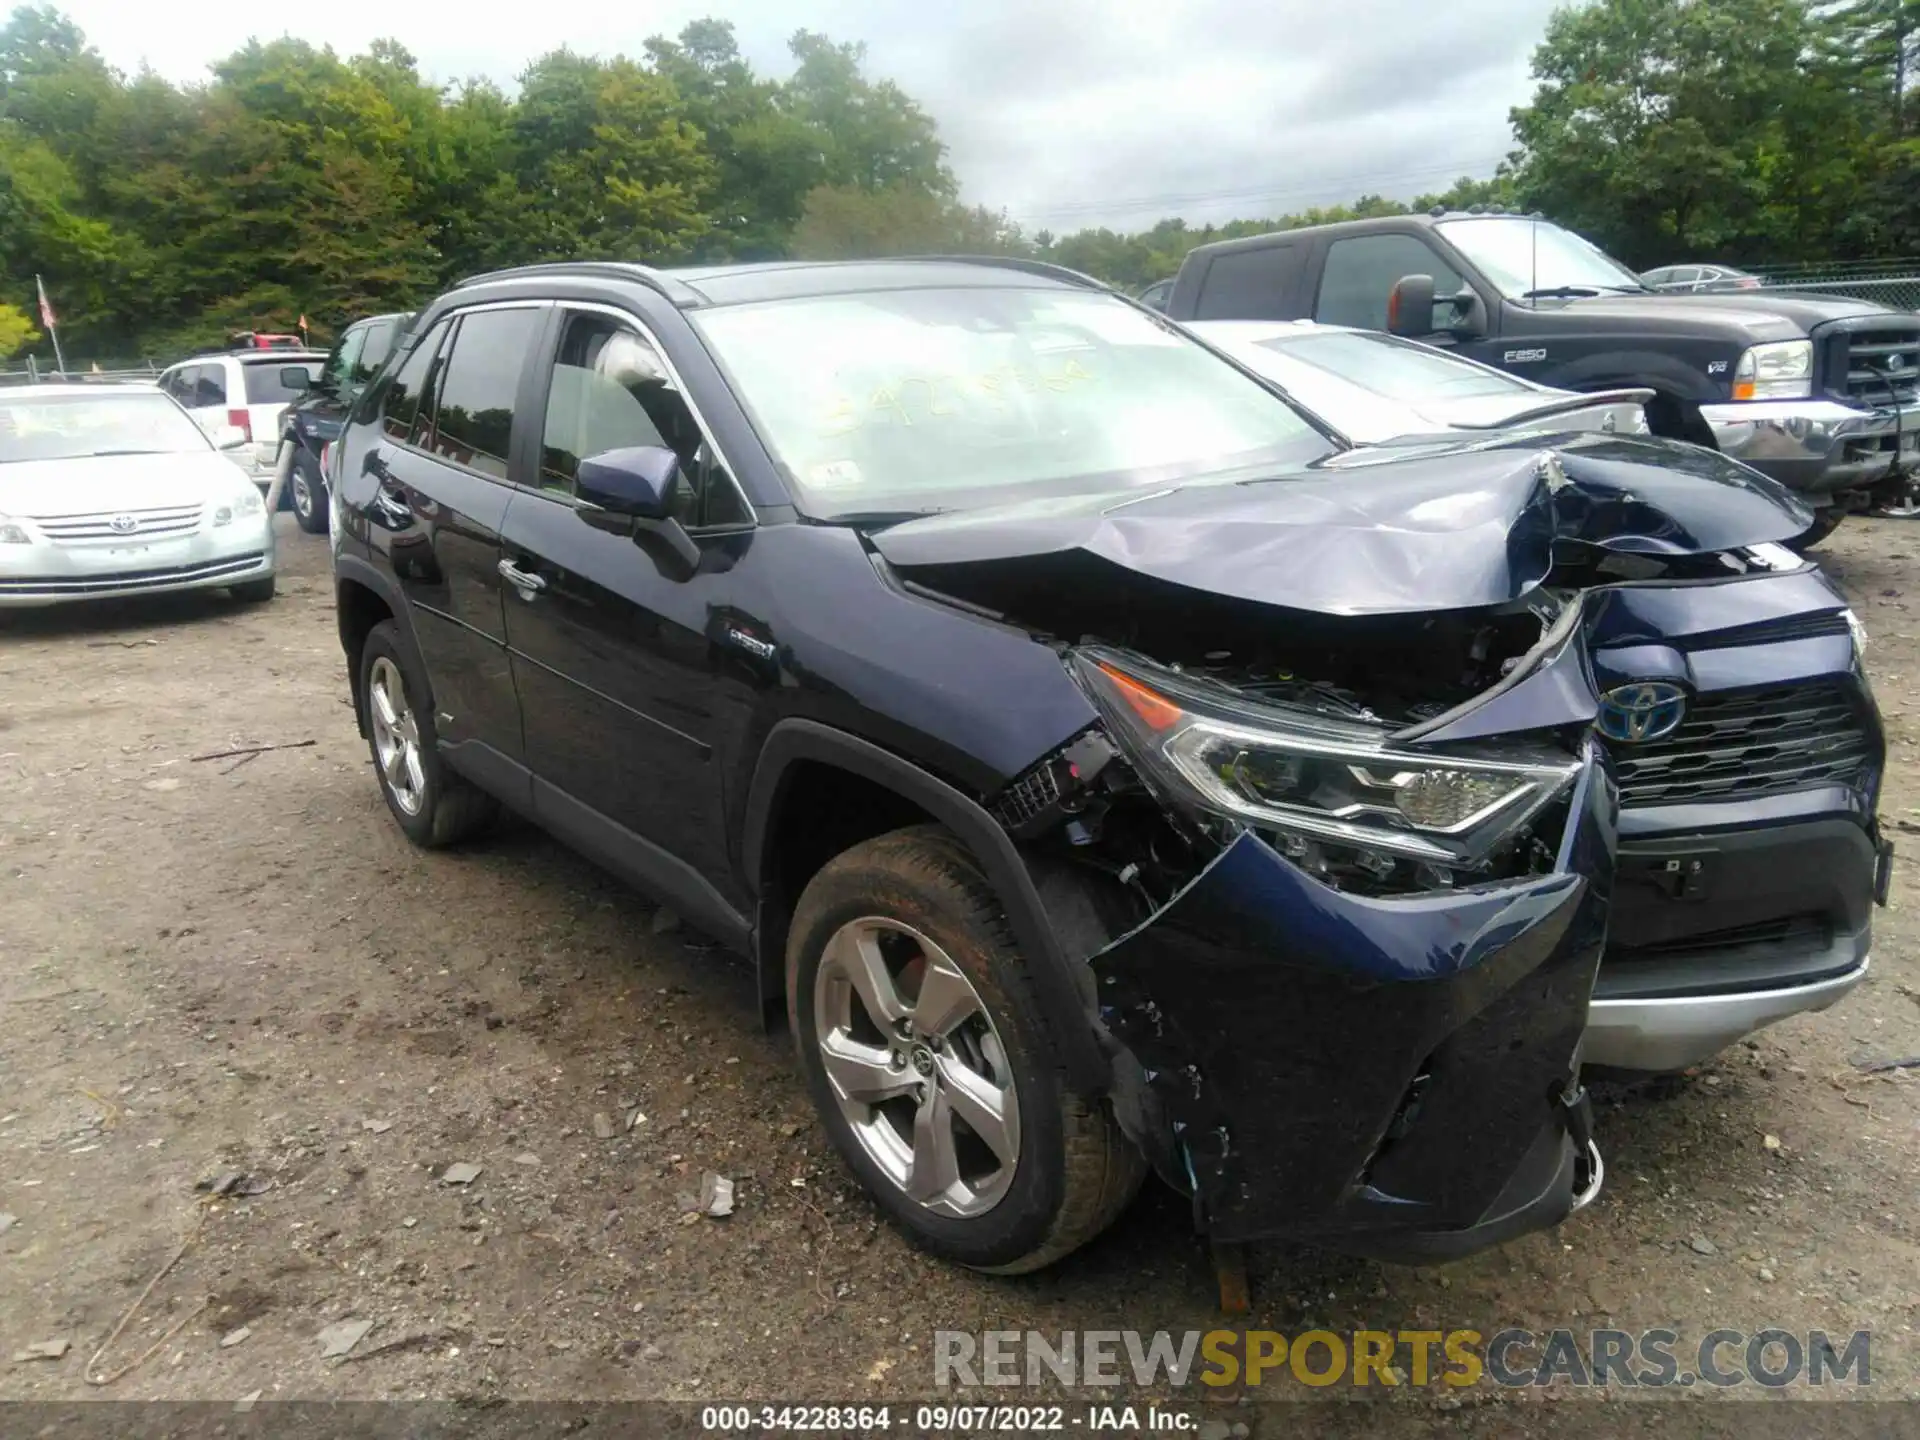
x: 1105, y: 764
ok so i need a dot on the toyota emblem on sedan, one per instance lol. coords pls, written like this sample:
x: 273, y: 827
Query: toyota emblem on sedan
x: 1644, y: 710
x: 123, y: 524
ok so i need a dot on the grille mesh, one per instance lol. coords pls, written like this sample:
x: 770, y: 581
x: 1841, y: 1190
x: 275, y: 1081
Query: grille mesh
x: 169, y: 520
x: 1882, y: 366
x: 1740, y: 744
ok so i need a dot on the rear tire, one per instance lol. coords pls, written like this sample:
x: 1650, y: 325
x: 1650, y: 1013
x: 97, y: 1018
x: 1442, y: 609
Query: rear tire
x: 434, y: 806
x: 921, y: 900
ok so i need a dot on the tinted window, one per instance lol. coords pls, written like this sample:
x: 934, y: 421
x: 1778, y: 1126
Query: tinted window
x: 1248, y: 284
x: 1361, y: 272
x: 611, y: 391
x: 400, y: 406
x: 473, y: 416
x: 379, y: 337
x: 1157, y: 295
x: 179, y: 384
x: 264, y: 386
x: 210, y: 385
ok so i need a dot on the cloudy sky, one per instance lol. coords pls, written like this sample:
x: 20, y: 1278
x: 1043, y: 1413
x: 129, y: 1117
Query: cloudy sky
x: 1066, y: 113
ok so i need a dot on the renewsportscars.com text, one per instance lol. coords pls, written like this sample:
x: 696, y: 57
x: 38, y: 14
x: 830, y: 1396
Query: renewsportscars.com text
x: 1773, y: 1358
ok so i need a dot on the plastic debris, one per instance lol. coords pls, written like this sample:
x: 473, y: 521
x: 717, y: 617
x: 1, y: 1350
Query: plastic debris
x: 716, y: 1195
x: 342, y: 1336
x: 52, y: 1349
x: 461, y: 1174
x: 235, y: 1337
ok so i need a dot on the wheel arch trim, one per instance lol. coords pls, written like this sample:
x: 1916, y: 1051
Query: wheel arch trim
x: 794, y: 741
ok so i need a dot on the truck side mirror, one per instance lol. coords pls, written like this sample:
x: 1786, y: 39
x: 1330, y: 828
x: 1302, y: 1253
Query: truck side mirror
x: 1410, y: 307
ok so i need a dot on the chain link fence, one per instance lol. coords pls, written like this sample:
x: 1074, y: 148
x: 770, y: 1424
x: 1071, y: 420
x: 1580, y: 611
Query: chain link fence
x: 1893, y: 283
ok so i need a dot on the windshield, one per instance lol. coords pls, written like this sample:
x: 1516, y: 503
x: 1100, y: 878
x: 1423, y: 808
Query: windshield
x: 912, y: 401
x: 74, y: 427
x: 1520, y: 256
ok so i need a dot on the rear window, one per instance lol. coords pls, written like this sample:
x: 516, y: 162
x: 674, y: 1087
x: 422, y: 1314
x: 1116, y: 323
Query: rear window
x: 264, y: 386
x: 1394, y: 368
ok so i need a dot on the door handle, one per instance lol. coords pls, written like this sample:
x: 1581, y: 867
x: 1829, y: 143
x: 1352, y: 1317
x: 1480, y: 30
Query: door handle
x: 525, y: 581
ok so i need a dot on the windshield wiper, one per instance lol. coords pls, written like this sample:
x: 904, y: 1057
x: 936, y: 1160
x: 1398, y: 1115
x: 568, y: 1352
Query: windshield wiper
x: 1560, y: 292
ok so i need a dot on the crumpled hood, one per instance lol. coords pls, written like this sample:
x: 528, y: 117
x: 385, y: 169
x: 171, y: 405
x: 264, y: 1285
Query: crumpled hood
x: 1384, y: 530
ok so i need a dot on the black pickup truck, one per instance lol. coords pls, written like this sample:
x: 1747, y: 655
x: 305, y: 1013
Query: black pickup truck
x: 1821, y: 393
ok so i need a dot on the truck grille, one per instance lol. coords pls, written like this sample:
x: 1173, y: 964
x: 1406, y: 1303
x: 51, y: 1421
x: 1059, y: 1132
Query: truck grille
x: 1740, y: 744
x: 1883, y: 365
x: 134, y: 524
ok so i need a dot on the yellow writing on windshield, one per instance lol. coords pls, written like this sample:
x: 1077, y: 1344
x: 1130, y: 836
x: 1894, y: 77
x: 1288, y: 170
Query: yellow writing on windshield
x: 913, y: 399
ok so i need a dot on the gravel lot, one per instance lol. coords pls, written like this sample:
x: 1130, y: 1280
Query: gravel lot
x: 212, y: 966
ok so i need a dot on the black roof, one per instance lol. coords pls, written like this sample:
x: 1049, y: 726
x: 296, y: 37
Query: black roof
x: 1372, y: 225
x: 696, y: 286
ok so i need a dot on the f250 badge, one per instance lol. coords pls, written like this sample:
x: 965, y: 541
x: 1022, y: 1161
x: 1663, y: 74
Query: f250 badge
x: 1522, y: 357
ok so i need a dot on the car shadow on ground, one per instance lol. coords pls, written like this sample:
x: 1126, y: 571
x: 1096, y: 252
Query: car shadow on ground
x: 131, y: 615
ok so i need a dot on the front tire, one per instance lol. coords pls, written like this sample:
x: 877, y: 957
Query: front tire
x: 927, y: 1057
x: 434, y: 806
x: 308, y: 494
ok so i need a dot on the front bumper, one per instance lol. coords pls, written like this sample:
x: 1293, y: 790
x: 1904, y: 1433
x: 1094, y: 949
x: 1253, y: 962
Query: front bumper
x: 48, y: 574
x: 1671, y: 1032
x: 1818, y: 447
x: 1385, y: 1077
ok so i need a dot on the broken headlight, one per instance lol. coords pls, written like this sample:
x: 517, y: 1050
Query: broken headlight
x: 1314, y: 778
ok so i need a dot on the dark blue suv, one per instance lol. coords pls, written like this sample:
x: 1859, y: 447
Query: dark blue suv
x: 1105, y: 764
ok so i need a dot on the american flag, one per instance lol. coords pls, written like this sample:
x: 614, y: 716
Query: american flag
x: 46, y: 308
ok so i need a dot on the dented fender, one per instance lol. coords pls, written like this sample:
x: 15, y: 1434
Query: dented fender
x: 1368, y: 1072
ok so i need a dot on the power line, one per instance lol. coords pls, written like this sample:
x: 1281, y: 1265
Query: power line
x: 1448, y: 170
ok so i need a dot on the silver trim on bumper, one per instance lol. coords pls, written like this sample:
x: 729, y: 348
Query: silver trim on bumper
x: 1671, y: 1034
x: 1805, y: 441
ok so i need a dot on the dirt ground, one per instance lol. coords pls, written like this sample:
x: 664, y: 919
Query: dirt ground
x: 238, y: 964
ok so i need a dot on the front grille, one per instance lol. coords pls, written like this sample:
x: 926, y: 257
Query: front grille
x: 1883, y: 366
x: 1741, y: 744
x: 73, y: 586
x: 1798, y: 933
x: 146, y: 524
x: 1028, y: 798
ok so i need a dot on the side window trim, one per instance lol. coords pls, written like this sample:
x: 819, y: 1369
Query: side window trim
x: 645, y: 332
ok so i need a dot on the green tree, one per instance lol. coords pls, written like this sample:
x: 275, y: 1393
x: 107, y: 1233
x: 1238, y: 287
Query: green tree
x: 847, y: 222
x: 16, y: 330
x: 871, y: 134
x: 1671, y: 129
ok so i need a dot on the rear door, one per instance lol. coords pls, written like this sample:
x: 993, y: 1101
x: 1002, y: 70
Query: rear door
x: 613, y: 648
x: 443, y: 470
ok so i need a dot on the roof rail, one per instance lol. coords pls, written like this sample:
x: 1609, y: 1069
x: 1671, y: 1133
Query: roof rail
x: 675, y: 290
x: 1014, y: 262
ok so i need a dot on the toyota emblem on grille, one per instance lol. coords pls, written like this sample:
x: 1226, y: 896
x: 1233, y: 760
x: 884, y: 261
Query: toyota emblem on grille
x: 123, y: 524
x: 1644, y: 710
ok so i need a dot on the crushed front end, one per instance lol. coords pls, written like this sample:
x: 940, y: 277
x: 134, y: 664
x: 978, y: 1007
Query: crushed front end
x: 1359, y: 1022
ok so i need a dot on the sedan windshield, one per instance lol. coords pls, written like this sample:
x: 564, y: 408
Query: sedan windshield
x: 913, y: 401
x: 77, y: 427
x: 1531, y: 257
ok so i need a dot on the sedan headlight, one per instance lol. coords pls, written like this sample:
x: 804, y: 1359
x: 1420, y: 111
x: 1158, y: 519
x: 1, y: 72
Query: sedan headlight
x: 1315, y: 778
x: 245, y: 502
x: 12, y: 532
x: 1782, y: 370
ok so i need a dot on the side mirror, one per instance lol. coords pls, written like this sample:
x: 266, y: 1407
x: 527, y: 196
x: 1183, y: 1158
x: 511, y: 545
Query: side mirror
x: 633, y: 491
x: 1410, y: 307
x: 228, y: 437
x: 639, y: 481
x: 295, y: 377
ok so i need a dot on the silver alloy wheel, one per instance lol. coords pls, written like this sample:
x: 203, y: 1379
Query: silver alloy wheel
x: 302, y: 495
x: 919, y: 1071
x: 1907, y: 507
x: 396, y: 736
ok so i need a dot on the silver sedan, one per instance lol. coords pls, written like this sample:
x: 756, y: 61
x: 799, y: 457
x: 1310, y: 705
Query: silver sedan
x: 113, y: 490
